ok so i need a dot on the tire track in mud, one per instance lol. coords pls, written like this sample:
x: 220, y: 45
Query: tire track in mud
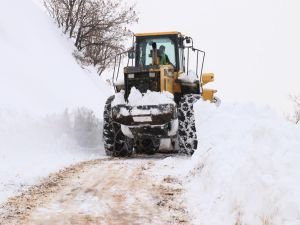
x: 104, y: 191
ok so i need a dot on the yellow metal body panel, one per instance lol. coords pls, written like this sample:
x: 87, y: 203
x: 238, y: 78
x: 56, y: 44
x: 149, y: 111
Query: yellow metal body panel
x: 176, y: 86
x: 157, y: 33
x: 167, y: 78
x: 207, y: 77
x: 208, y: 94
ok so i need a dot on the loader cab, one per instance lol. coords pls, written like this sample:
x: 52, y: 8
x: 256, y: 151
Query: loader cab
x: 145, y: 71
x: 147, y: 43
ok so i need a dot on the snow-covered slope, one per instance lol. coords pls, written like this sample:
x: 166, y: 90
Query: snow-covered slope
x: 246, y: 169
x: 40, y: 77
x: 38, y: 72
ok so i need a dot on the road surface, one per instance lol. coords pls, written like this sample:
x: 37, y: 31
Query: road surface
x: 104, y: 191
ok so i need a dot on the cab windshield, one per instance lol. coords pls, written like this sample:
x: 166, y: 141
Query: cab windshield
x: 145, y: 47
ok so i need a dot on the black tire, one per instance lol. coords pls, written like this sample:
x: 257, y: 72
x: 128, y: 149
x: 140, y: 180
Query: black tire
x: 187, y: 136
x: 116, y: 144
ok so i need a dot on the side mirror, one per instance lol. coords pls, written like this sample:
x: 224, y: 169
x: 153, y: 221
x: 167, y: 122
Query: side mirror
x: 181, y: 40
x: 131, y: 54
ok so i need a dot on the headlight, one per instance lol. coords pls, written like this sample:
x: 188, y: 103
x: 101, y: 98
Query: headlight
x: 130, y: 76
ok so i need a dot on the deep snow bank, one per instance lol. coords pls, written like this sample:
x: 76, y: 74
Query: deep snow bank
x: 39, y: 80
x: 31, y: 147
x: 38, y: 72
x: 246, y: 169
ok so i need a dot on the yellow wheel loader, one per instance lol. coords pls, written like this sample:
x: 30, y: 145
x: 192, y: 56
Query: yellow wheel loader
x: 154, y: 100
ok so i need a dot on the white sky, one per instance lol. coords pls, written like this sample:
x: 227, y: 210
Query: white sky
x: 252, y: 46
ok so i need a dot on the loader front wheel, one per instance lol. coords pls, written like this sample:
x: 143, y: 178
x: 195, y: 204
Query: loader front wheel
x: 187, y: 137
x: 116, y: 144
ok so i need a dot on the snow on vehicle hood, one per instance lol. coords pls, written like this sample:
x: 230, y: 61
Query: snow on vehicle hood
x: 136, y: 98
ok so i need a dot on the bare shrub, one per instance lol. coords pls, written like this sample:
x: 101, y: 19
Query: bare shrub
x: 295, y: 117
x: 99, y: 28
x: 86, y: 128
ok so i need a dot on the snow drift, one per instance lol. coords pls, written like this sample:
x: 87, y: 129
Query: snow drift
x: 50, y: 108
x: 38, y: 72
x: 32, y: 147
x: 246, y: 169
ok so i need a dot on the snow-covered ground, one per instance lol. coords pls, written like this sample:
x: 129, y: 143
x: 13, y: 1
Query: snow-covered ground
x: 246, y: 169
x: 31, y: 147
x: 38, y: 72
x: 50, y: 108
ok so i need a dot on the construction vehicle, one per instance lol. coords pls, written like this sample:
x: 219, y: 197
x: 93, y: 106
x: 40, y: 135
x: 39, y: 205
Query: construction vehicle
x: 157, y: 63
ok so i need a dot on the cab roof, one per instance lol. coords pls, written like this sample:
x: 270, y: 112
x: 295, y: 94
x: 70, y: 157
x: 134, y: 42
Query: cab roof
x: 157, y: 33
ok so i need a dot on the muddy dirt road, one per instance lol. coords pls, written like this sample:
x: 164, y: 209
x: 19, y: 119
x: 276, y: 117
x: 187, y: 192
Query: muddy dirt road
x: 105, y: 191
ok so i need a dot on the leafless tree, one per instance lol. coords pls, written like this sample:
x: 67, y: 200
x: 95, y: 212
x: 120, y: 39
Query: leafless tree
x: 296, y: 115
x: 55, y: 10
x: 98, y: 27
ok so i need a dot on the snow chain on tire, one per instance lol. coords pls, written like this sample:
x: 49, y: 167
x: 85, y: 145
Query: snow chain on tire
x: 115, y: 142
x: 187, y: 137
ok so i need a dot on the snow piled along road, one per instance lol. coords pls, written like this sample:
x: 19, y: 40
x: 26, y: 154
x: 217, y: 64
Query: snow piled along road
x: 31, y: 147
x: 246, y: 169
x: 39, y: 80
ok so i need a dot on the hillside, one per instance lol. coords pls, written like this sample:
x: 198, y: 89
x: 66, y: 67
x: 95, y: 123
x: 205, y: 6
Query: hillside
x: 38, y: 72
x: 46, y: 100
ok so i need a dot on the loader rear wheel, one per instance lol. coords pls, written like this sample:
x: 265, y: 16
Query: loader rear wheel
x: 187, y: 136
x: 116, y: 144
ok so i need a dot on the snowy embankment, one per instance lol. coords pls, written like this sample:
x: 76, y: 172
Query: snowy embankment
x: 246, y: 169
x: 31, y: 147
x: 39, y: 81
